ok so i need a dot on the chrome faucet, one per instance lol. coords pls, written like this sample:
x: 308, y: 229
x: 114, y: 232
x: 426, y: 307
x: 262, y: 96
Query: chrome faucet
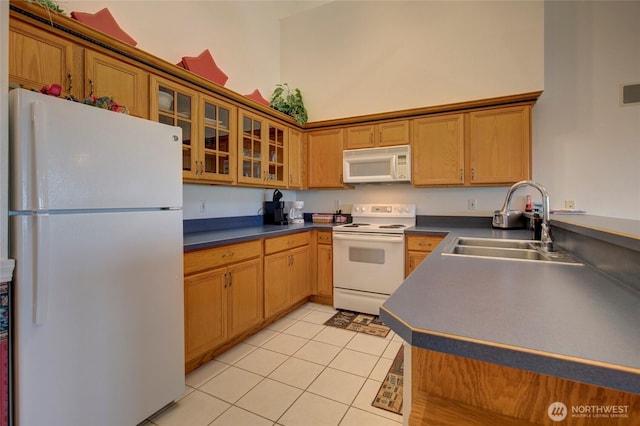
x: 506, y: 218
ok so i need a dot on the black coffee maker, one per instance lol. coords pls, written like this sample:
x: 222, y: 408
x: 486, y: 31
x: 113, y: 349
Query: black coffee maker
x: 274, y: 213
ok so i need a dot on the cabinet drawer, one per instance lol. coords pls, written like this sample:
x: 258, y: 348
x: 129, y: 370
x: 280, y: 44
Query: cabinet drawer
x: 423, y: 242
x: 276, y: 244
x: 202, y: 260
x: 325, y: 237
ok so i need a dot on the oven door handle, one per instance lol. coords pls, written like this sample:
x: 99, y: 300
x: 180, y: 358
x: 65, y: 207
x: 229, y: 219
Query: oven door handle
x: 388, y: 238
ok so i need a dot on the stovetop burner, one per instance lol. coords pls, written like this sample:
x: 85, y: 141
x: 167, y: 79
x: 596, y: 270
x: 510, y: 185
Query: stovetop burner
x: 380, y: 218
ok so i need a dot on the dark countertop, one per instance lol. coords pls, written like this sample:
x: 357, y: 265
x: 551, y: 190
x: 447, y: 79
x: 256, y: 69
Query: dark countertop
x: 561, y: 320
x: 206, y: 239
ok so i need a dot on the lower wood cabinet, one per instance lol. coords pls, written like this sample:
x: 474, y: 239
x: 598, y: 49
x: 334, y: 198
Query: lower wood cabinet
x: 418, y: 247
x: 324, y: 258
x: 223, y: 296
x: 286, y: 271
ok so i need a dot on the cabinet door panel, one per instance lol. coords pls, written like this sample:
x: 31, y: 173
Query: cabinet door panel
x: 276, y: 288
x: 276, y: 153
x: 245, y: 295
x: 217, y: 140
x: 296, y: 161
x: 125, y: 84
x: 37, y: 58
x: 251, y: 136
x: 392, y: 133
x: 181, y: 109
x: 325, y: 158
x: 438, y: 150
x: 360, y: 137
x: 414, y: 258
x: 500, y: 145
x: 325, y: 269
x: 299, y: 282
x: 205, y: 312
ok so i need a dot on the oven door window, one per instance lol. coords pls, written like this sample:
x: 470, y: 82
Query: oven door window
x: 366, y: 255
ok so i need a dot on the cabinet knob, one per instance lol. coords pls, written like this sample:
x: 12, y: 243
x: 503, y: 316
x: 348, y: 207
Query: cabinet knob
x: 90, y: 87
x: 422, y: 243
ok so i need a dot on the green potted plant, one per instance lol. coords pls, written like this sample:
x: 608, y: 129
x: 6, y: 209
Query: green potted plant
x: 50, y: 4
x: 289, y: 102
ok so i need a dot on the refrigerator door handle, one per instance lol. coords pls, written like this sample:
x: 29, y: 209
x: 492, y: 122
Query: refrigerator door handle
x: 40, y: 155
x: 41, y: 272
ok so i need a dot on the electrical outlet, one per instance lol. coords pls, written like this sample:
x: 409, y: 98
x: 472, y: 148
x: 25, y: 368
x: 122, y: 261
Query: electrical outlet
x: 569, y: 204
x: 203, y: 206
x: 472, y: 204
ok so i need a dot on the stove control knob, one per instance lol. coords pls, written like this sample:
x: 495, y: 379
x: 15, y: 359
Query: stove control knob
x: 389, y: 209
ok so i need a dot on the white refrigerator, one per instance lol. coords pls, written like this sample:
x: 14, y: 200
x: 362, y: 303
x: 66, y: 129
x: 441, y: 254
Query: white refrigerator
x: 95, y: 212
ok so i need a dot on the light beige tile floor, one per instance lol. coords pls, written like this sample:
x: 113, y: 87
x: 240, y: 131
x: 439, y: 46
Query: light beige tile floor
x: 296, y: 372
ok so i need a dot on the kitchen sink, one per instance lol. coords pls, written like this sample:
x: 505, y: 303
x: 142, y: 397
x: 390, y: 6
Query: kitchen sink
x: 526, y: 250
x: 490, y: 242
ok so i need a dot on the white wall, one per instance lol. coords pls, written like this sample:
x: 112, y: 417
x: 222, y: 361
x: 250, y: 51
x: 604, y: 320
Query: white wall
x: 353, y: 58
x: 243, y: 36
x: 227, y: 201
x: 586, y: 145
x: 4, y: 128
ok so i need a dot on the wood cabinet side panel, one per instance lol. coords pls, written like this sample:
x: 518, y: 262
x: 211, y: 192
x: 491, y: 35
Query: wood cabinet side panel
x: 507, y: 391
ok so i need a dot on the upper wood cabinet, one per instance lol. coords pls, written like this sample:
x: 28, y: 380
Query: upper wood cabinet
x: 437, y: 150
x: 126, y: 84
x: 376, y: 135
x: 177, y: 105
x: 481, y: 147
x: 262, y: 151
x: 296, y: 159
x: 324, y: 163
x: 217, y: 140
x: 500, y: 145
x: 38, y: 58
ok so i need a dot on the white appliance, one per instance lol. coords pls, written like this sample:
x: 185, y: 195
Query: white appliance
x: 392, y: 164
x: 368, y: 255
x: 295, y: 214
x: 96, y: 230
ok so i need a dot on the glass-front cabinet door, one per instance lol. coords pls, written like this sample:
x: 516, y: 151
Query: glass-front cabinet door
x: 250, y: 148
x: 176, y: 105
x: 218, y: 146
x: 277, y: 136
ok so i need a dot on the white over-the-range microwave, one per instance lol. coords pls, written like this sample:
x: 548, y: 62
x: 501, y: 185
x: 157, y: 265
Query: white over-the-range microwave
x: 388, y: 164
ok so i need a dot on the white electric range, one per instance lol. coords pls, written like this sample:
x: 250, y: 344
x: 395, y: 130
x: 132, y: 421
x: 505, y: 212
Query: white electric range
x: 368, y: 255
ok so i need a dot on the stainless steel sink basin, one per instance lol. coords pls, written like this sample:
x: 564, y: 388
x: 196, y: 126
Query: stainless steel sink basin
x: 526, y: 250
x: 489, y: 242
